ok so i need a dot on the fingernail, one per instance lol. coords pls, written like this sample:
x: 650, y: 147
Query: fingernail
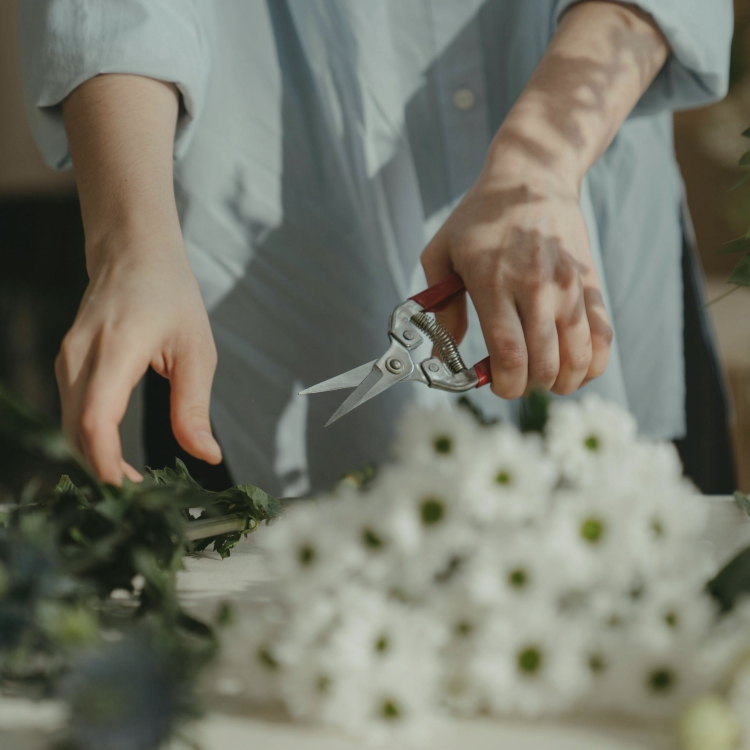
x: 209, y: 444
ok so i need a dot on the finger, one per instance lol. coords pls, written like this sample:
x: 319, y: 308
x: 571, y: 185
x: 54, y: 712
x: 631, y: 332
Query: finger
x: 575, y: 347
x: 130, y: 472
x: 72, y: 370
x: 600, y: 331
x: 504, y: 336
x: 438, y: 267
x: 190, y: 379
x: 537, y: 316
x: 115, y: 372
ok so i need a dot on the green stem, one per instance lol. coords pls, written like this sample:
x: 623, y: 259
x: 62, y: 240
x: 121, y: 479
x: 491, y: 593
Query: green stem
x: 721, y: 296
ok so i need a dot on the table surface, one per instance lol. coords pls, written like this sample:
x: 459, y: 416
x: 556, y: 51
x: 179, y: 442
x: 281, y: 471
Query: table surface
x: 207, y: 581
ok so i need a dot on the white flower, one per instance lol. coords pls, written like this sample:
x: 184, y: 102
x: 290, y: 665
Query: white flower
x: 508, y: 476
x: 443, y: 436
x: 592, y: 536
x: 446, y: 535
x: 668, y: 526
x: 668, y: 610
x: 655, y: 683
x: 376, y: 528
x: 589, y: 438
x: 249, y: 656
x: 527, y: 667
x: 303, y: 547
x: 511, y: 568
x: 708, y: 723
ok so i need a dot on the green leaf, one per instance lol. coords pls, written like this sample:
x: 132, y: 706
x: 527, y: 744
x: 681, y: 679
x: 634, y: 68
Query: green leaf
x: 270, y: 506
x: 745, y: 159
x: 740, y: 245
x: 741, y: 273
x: 732, y: 582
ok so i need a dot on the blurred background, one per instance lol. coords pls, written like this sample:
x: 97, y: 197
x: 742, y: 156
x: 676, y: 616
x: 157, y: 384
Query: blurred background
x: 42, y: 271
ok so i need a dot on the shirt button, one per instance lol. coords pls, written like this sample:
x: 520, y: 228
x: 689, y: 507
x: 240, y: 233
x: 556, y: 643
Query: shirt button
x: 464, y: 99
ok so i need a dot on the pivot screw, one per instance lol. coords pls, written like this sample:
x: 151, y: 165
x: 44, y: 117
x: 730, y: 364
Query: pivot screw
x: 408, y: 335
x: 433, y: 367
x: 394, y: 365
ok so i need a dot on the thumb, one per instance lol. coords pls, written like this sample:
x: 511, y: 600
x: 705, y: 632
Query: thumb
x: 190, y: 381
x: 437, y: 266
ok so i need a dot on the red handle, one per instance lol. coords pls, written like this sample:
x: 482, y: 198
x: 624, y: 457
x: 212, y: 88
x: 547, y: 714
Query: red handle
x: 484, y: 373
x: 441, y: 295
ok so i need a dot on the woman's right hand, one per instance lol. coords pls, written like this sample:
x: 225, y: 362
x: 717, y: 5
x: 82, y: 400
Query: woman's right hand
x: 142, y: 307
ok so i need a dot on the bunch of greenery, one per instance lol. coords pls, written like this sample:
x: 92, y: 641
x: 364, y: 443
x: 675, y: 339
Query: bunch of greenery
x: 740, y: 276
x: 126, y: 667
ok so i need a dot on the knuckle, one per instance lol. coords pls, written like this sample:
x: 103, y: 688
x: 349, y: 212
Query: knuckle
x: 606, y: 334
x: 544, y: 372
x: 579, y: 360
x: 510, y: 354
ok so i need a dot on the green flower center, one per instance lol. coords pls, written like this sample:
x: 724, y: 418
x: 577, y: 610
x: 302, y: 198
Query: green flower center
x: 432, y: 511
x: 597, y: 663
x: 382, y: 644
x: 323, y: 684
x: 661, y: 680
x: 267, y: 659
x: 657, y: 528
x: 443, y: 444
x: 530, y: 660
x: 592, y: 530
x: 518, y: 578
x: 371, y: 539
x: 504, y: 477
x: 464, y: 628
x: 592, y: 442
x: 390, y: 710
x: 306, y: 555
x: 672, y: 619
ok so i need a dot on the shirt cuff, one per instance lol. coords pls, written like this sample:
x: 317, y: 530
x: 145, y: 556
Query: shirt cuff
x: 66, y: 42
x: 699, y: 33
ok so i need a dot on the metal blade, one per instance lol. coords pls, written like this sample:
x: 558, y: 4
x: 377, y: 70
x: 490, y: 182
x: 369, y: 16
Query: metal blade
x: 349, y: 379
x: 364, y: 392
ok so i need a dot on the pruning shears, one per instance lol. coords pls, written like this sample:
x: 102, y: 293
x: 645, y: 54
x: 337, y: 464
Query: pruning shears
x: 409, y: 324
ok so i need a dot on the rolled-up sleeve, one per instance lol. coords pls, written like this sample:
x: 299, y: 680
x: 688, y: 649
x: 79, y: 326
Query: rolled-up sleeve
x: 699, y: 33
x: 66, y: 42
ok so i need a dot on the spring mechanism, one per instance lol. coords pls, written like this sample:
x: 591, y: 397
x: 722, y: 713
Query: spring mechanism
x: 445, y: 344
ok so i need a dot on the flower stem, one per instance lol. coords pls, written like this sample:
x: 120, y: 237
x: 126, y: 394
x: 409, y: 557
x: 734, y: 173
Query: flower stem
x: 721, y: 296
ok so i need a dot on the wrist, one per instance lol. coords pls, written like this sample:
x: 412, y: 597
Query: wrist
x: 521, y: 155
x: 142, y: 237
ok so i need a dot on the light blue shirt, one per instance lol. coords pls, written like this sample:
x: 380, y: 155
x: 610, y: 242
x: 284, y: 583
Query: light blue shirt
x: 324, y: 141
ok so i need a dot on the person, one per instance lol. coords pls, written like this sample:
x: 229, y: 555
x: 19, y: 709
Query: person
x: 259, y: 178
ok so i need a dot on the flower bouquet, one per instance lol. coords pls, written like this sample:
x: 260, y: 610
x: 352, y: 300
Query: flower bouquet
x: 488, y: 571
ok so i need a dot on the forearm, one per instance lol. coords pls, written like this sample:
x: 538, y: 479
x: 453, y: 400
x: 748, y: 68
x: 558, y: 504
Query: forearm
x: 601, y: 60
x: 121, y: 131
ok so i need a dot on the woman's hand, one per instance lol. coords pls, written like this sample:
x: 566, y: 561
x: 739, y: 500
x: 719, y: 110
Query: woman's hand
x: 518, y: 239
x: 521, y: 246
x: 142, y: 306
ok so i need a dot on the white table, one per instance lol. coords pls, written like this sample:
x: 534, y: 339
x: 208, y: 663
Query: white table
x: 207, y: 581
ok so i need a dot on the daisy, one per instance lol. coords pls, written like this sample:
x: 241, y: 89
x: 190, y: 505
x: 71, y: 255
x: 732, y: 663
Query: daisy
x: 508, y: 476
x: 589, y: 438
